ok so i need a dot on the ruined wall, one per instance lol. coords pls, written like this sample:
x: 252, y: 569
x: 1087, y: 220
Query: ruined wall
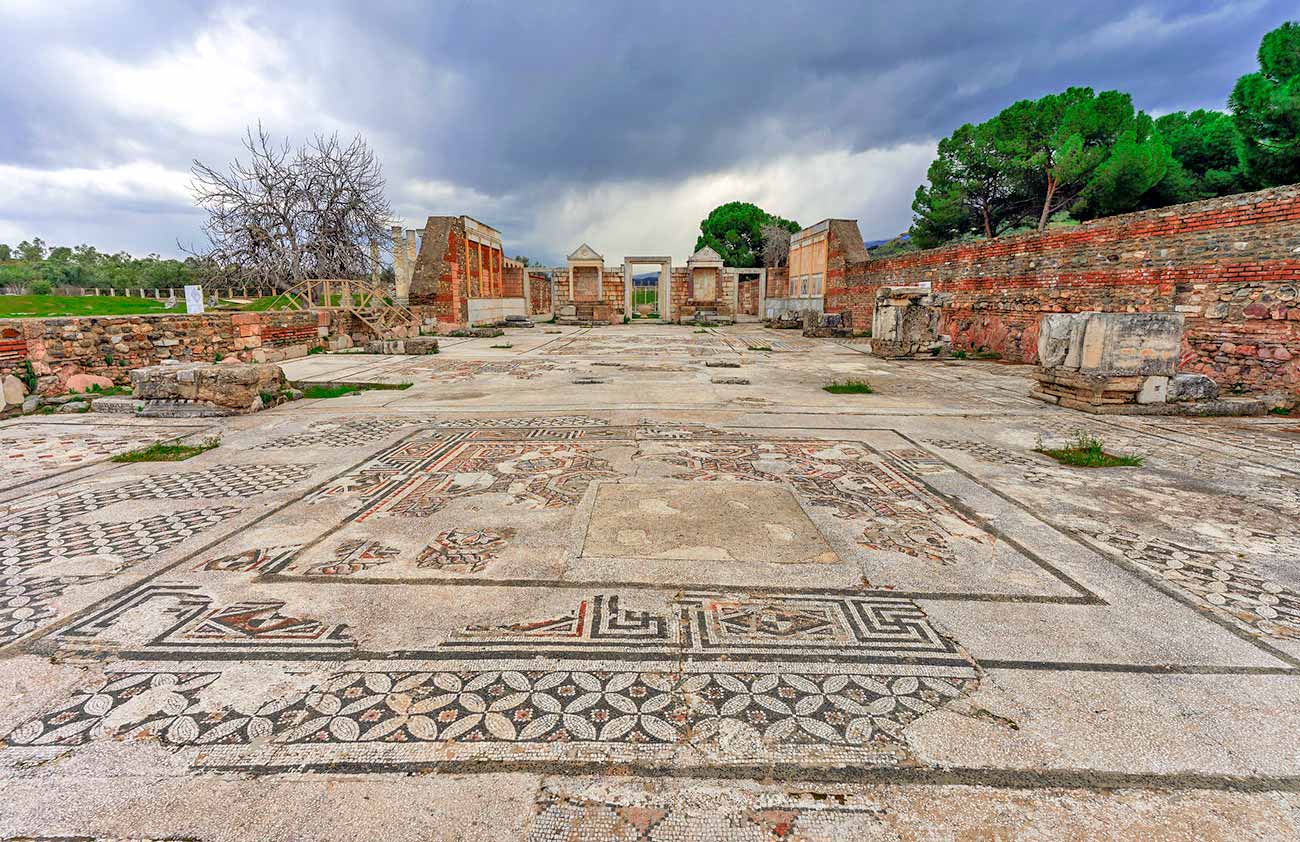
x: 539, y: 294
x: 113, y: 345
x: 1230, y: 265
x: 439, y: 277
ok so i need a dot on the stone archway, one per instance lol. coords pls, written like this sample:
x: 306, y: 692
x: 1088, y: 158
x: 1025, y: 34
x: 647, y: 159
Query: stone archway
x: 664, y: 288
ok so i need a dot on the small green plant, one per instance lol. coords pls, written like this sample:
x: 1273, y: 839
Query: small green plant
x: 848, y: 387
x: 959, y: 354
x: 503, y: 345
x: 626, y: 320
x: 29, y: 377
x: 108, y: 359
x: 159, y: 452
x: 1089, y: 451
x: 760, y: 347
x: 218, y: 357
x: 315, y: 349
x: 700, y: 330
x: 1280, y: 410
x: 985, y: 354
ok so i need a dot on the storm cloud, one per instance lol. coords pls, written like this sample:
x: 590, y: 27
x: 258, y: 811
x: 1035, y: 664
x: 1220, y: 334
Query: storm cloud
x: 616, y: 124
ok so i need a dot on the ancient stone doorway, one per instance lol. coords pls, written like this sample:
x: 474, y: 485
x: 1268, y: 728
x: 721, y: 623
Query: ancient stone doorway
x: 649, y: 298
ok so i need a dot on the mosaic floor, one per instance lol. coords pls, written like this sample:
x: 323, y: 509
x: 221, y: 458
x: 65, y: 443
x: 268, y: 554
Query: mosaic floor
x: 510, y: 603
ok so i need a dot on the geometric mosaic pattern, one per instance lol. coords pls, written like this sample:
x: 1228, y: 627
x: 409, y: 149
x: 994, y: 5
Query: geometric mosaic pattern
x: 456, y: 371
x: 625, y: 347
x: 29, y: 456
x: 25, y: 602
x: 897, y: 513
x: 989, y: 454
x: 788, y: 672
x: 873, y: 629
x: 1222, y: 580
x: 521, y: 422
x: 347, y: 433
x: 212, y: 483
x: 419, y: 477
x: 510, y: 706
x: 130, y: 541
x: 200, y: 629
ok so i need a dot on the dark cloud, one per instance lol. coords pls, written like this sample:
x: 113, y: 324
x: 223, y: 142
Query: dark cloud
x: 514, y: 106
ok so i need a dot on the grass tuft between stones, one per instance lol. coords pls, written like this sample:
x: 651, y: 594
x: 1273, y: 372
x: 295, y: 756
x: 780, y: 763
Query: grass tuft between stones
x: 160, y: 452
x: 1085, y: 451
x: 848, y: 387
x: 338, y: 390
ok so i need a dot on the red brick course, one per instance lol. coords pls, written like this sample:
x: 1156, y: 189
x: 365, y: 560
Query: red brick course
x: 1231, y: 265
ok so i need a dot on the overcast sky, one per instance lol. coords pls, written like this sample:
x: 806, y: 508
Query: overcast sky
x: 620, y: 125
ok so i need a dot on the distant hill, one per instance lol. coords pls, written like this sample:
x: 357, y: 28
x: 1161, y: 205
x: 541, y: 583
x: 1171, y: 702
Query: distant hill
x: 645, y: 279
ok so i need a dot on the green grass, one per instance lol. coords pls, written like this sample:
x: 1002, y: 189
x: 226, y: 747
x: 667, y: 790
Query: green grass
x: 760, y: 347
x: 848, y: 387
x: 282, y: 302
x: 1086, y: 451
x: 1280, y: 410
x: 338, y: 390
x: 159, y: 452
x: 503, y: 345
x: 46, y: 306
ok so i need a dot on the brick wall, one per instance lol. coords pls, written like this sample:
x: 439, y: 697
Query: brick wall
x: 1230, y: 265
x: 113, y: 345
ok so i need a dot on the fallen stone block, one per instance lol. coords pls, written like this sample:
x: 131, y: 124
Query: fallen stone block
x: 1191, y: 387
x: 412, y: 346
x: 905, y: 323
x: 117, y: 405
x: 234, y: 388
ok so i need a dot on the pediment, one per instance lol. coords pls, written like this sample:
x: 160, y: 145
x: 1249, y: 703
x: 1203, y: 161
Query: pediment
x: 706, y: 255
x: 585, y: 252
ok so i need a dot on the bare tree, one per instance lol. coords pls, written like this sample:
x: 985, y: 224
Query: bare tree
x: 285, y: 215
x: 776, y: 245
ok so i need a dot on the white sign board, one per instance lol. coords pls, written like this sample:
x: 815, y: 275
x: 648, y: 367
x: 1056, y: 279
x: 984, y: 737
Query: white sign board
x: 193, y: 299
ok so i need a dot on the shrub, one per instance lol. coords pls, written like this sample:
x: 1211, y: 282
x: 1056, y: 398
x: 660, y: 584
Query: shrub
x: 1088, y: 451
x: 40, y: 286
x: 848, y: 387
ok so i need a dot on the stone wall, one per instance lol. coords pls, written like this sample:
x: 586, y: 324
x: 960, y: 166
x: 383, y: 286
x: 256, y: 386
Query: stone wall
x: 1230, y: 265
x: 113, y: 345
